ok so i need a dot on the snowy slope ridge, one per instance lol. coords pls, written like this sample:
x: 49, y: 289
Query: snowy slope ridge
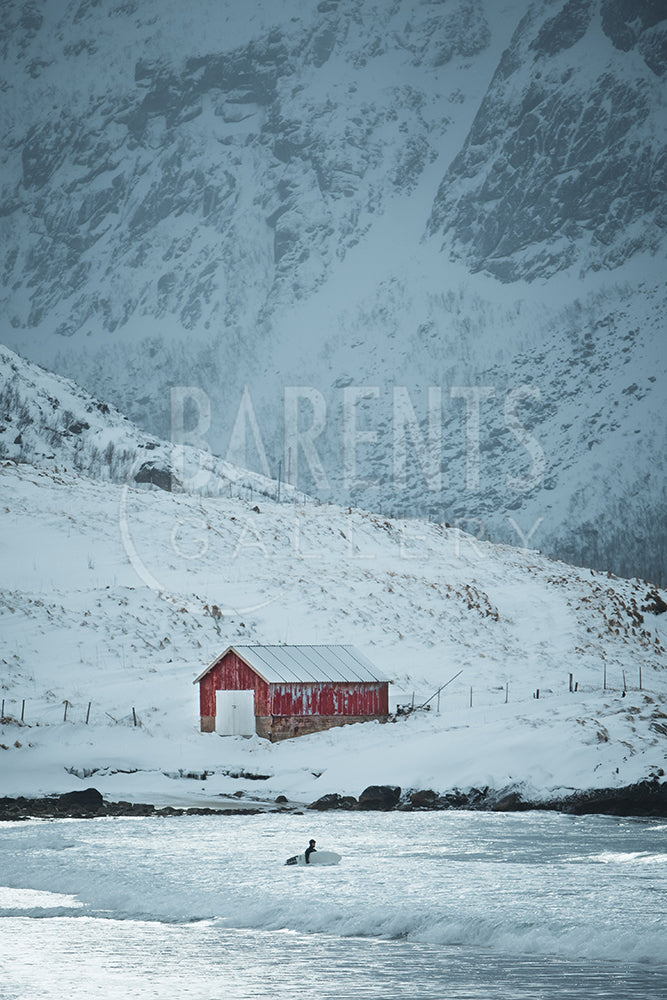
x: 114, y: 599
x: 332, y: 195
x: 49, y: 421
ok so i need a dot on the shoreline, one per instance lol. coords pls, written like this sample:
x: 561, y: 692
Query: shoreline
x: 84, y: 805
x: 646, y: 798
x: 643, y: 799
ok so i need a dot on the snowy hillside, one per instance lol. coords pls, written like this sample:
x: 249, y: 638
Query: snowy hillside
x: 115, y: 598
x: 49, y: 421
x: 351, y: 196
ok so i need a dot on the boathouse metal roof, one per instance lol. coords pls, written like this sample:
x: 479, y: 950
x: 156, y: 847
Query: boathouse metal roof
x: 305, y: 664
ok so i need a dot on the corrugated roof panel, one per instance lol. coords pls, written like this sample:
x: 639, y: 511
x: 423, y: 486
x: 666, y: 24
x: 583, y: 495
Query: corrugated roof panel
x: 356, y: 663
x: 310, y: 664
x: 317, y: 662
x: 268, y: 664
x: 343, y: 666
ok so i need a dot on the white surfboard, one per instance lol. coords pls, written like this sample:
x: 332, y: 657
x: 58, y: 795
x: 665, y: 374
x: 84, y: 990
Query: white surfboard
x: 316, y: 858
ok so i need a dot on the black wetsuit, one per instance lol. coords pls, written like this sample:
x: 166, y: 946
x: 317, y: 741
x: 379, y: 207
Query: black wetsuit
x: 309, y: 851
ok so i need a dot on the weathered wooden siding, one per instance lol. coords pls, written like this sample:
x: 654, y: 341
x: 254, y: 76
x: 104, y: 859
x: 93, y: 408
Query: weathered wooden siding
x: 329, y: 699
x: 232, y: 674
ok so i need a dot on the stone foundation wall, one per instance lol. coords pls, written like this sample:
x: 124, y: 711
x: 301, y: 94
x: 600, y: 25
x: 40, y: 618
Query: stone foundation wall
x: 285, y: 727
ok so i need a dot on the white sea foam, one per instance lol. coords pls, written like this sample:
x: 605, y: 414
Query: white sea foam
x: 640, y: 857
x: 35, y: 903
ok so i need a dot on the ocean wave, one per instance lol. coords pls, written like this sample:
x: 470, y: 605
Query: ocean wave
x: 578, y: 936
x: 575, y: 939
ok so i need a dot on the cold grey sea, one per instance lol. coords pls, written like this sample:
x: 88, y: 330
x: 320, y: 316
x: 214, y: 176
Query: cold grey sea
x: 422, y: 905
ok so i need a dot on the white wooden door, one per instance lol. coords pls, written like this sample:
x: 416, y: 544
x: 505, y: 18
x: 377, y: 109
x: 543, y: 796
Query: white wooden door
x: 235, y: 713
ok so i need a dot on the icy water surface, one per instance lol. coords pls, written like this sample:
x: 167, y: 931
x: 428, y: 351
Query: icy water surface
x: 423, y: 905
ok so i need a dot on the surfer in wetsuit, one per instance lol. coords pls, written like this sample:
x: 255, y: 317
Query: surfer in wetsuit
x: 309, y: 851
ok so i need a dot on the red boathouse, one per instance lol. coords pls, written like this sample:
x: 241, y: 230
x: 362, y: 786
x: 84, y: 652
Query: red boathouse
x: 284, y: 691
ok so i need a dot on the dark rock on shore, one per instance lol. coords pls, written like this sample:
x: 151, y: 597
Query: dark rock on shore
x: 424, y: 799
x: 381, y: 797
x: 645, y: 798
x: 458, y: 799
x: 89, y: 804
x: 79, y: 804
x: 89, y: 800
x: 478, y: 798
x: 334, y: 801
x: 512, y: 802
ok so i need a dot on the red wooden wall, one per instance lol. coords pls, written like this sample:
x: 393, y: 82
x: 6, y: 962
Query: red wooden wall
x: 329, y: 699
x: 232, y: 674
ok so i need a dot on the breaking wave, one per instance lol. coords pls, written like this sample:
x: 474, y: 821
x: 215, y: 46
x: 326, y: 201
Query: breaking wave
x: 448, y: 925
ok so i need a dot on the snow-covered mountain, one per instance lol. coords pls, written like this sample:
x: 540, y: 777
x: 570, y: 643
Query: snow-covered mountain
x: 115, y: 595
x: 47, y: 420
x: 365, y: 199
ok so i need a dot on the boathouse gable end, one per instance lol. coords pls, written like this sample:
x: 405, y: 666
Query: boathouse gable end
x: 230, y: 672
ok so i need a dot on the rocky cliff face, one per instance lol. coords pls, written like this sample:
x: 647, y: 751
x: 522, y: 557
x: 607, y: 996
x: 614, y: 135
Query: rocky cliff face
x: 565, y: 162
x: 205, y: 186
x: 403, y: 194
